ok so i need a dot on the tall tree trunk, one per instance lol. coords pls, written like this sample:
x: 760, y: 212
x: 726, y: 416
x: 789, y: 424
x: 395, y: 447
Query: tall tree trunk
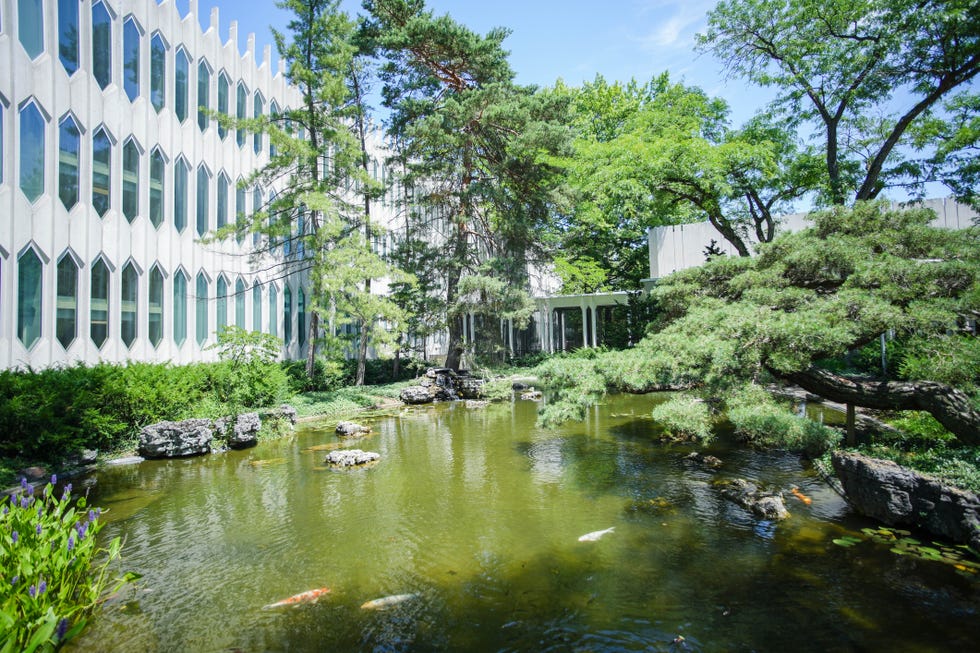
x: 951, y: 407
x: 454, y: 353
x: 366, y: 196
x: 311, y: 344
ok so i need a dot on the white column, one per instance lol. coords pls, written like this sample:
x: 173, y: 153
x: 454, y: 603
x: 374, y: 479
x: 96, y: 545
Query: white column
x: 585, y: 327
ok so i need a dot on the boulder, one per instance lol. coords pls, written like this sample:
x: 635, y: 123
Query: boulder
x: 898, y: 496
x: 476, y: 403
x: 763, y: 504
x: 517, y: 385
x: 351, y: 429
x: 351, y: 457
x: 244, y: 433
x: 288, y: 413
x: 190, y: 437
x: 415, y: 394
x: 469, y: 387
x: 532, y: 395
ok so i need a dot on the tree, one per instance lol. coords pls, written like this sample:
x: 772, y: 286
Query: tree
x: 863, y: 71
x: 664, y: 153
x: 472, y: 143
x: 324, y: 171
x: 318, y: 52
x: 812, y: 296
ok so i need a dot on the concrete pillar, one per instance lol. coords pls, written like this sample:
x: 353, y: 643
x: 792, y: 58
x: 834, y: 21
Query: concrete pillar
x: 510, y: 336
x: 585, y: 327
x: 595, y: 326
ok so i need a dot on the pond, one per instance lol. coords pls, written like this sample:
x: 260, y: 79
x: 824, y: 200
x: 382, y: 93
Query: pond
x: 472, y: 517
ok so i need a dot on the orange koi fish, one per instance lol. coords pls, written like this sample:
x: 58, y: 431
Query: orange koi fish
x: 310, y: 596
x: 802, y: 497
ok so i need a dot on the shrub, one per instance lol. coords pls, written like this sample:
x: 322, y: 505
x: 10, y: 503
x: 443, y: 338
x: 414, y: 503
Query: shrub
x: 328, y: 375
x: 54, y: 572
x: 684, y: 417
x: 498, y: 390
x: 760, y: 420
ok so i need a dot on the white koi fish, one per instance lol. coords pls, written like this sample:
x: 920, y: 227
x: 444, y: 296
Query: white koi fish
x: 595, y: 535
x: 310, y: 596
x: 387, y: 601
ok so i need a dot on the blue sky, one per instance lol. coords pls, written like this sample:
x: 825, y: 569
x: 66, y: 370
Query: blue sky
x: 573, y: 39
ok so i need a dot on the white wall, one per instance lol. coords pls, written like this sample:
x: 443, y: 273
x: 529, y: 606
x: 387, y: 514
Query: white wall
x: 680, y: 247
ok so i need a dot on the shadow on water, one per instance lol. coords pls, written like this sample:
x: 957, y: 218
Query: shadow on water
x: 477, y: 515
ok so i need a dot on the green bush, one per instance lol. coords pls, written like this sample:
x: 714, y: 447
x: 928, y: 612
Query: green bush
x: 53, y: 571
x: 498, y: 390
x: 758, y: 419
x: 684, y: 417
x: 46, y: 415
x: 328, y: 375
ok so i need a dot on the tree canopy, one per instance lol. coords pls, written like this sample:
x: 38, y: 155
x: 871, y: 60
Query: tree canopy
x: 811, y: 297
x: 864, y: 72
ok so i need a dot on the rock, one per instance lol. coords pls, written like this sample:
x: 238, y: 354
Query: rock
x: 35, y: 473
x: 287, y: 412
x: 706, y: 462
x: 469, y: 387
x: 245, y: 433
x: 897, y: 496
x: 532, y: 395
x: 351, y: 457
x: 415, y: 394
x: 517, y: 385
x: 476, y: 403
x: 767, y: 505
x: 351, y: 429
x: 126, y: 460
x: 191, y: 437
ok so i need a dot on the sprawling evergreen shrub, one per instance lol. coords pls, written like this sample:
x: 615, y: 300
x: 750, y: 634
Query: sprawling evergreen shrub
x: 684, y: 417
x: 759, y: 419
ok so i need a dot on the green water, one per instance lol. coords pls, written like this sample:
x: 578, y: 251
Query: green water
x: 477, y: 513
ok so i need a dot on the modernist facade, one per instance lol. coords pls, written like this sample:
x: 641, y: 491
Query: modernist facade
x: 112, y: 172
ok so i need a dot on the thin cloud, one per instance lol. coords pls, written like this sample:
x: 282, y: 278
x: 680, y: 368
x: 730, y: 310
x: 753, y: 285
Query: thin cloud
x: 673, y: 24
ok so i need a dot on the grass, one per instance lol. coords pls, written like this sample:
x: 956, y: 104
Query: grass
x: 346, y: 400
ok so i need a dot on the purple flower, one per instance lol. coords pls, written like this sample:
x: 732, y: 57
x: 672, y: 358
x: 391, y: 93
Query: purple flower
x: 14, y: 536
x: 6, y: 510
x: 23, y: 482
x: 30, y: 490
x: 68, y: 488
x: 62, y: 629
x: 54, y: 479
x: 91, y: 515
x: 42, y: 586
x: 71, y: 542
x: 32, y: 591
x: 37, y: 529
x: 14, y: 580
x: 82, y: 529
x: 24, y: 503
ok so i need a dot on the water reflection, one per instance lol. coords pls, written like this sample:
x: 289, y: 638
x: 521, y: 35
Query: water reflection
x: 478, y: 513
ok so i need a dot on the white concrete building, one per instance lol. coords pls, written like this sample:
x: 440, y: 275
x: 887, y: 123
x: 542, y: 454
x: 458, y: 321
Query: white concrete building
x: 111, y: 172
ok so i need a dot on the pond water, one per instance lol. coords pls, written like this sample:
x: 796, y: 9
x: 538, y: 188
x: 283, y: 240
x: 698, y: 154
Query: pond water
x: 476, y: 514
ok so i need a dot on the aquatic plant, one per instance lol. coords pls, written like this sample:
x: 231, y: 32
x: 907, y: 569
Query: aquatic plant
x: 902, y: 543
x: 54, y: 573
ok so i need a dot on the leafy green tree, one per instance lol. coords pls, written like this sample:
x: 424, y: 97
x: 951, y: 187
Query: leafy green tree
x: 315, y: 150
x: 864, y: 72
x: 474, y: 146
x: 664, y: 153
